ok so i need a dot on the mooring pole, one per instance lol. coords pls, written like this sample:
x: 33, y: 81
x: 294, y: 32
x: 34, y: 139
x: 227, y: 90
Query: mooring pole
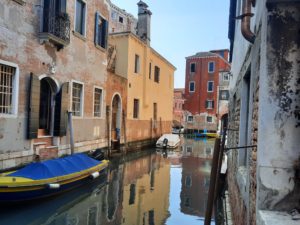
x: 71, y: 132
x: 212, y: 185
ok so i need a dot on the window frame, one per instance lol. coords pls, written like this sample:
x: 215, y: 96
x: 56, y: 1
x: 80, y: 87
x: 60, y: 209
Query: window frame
x: 212, y: 104
x: 192, y: 82
x: 156, y: 74
x: 150, y: 70
x: 85, y: 18
x: 101, y: 102
x: 188, y: 120
x: 211, y: 119
x: 208, y: 82
x: 227, y: 75
x: 15, y: 91
x: 137, y: 64
x: 138, y: 109
x: 214, y: 64
x: 99, y: 16
x: 81, y: 98
x: 192, y: 63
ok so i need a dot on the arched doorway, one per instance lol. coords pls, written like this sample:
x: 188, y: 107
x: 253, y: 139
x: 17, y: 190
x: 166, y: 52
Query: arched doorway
x: 116, y: 118
x: 48, y: 90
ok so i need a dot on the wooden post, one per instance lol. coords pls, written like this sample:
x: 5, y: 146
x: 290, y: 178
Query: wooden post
x: 108, y: 130
x: 212, y: 185
x: 71, y: 132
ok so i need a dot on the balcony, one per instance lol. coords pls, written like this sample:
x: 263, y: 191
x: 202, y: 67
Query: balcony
x: 55, y: 29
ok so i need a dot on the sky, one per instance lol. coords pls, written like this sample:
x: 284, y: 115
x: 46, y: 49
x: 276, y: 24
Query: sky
x: 180, y: 28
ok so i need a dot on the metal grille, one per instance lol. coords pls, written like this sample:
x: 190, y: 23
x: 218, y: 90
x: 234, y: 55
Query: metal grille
x: 97, y: 102
x: 6, y: 88
x: 76, y: 99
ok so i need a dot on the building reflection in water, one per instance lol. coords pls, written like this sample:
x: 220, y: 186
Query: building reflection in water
x: 137, y: 193
x: 196, y: 165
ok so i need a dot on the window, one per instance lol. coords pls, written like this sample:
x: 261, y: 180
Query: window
x: 77, y: 99
x: 80, y: 17
x: 155, y: 111
x: 192, y: 86
x: 188, y: 181
x: 121, y: 19
x: 211, y: 67
x: 137, y: 64
x: 8, y: 89
x: 150, y: 70
x: 135, y: 108
x: 97, y: 102
x: 132, y: 191
x: 193, y: 67
x: 209, y: 119
x: 190, y: 118
x: 156, y: 74
x: 225, y: 76
x: 224, y: 94
x: 189, y: 149
x: 210, y: 86
x: 209, y: 104
x: 101, y: 26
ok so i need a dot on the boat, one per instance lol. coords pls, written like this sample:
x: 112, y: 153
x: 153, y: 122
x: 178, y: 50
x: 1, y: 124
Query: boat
x: 168, y: 141
x: 178, y: 130
x: 207, y: 135
x: 51, y: 177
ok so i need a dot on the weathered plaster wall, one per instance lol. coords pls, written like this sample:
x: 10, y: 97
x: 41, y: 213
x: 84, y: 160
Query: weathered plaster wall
x: 80, y: 61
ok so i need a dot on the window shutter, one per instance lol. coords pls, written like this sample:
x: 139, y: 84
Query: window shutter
x: 62, y: 6
x: 96, y: 28
x: 213, y: 104
x: 104, y: 33
x: 61, y: 109
x: 206, y: 104
x: 33, y: 107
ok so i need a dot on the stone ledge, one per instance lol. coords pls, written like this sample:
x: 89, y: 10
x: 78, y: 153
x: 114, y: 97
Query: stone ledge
x: 275, y: 218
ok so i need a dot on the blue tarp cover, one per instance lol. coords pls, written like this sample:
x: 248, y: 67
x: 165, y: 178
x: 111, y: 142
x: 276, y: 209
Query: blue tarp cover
x: 56, y: 167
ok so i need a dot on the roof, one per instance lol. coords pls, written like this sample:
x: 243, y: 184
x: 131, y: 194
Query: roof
x: 203, y: 54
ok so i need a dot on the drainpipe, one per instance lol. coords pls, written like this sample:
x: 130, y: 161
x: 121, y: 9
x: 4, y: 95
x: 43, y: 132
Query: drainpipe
x: 246, y: 18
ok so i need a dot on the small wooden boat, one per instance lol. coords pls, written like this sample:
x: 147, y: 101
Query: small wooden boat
x: 43, y: 179
x: 168, y: 141
x: 207, y: 135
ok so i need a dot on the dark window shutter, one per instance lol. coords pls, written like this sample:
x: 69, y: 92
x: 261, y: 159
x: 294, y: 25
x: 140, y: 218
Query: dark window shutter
x: 63, y: 6
x: 33, y: 107
x: 61, y: 109
x: 104, y: 33
x: 213, y: 104
x: 96, y: 28
x: 206, y: 104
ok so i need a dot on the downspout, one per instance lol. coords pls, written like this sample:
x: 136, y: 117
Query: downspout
x: 246, y: 19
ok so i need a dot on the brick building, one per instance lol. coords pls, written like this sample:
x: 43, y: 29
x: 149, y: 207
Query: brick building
x: 203, y: 72
x: 52, y: 60
x: 264, y: 103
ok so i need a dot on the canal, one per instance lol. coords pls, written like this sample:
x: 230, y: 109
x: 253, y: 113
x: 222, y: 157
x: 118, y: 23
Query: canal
x: 146, y: 188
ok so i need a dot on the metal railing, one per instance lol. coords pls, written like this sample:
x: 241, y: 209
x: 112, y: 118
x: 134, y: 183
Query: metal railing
x: 57, y: 25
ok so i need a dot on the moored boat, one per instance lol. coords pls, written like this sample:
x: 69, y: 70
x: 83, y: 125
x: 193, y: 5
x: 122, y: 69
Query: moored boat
x: 43, y: 179
x: 168, y: 141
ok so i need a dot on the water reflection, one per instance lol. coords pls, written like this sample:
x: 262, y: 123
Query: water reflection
x: 148, y: 188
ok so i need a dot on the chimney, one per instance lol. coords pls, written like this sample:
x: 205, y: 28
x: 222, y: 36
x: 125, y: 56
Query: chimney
x: 144, y: 22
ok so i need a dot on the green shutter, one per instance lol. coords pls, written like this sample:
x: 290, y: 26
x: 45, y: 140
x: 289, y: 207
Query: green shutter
x: 33, y: 107
x: 61, y: 109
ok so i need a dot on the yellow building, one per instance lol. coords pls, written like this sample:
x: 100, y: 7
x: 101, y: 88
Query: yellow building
x: 150, y: 86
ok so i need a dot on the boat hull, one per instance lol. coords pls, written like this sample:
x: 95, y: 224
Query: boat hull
x: 19, y: 194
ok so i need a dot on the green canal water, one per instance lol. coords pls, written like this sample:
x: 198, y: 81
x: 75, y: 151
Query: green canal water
x: 151, y: 187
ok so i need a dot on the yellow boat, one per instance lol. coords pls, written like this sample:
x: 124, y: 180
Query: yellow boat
x: 43, y: 179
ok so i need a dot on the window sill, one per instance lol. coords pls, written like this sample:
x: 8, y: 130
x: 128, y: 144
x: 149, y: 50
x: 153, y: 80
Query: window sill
x: 8, y: 115
x: 100, y: 48
x: 78, y: 35
x: 21, y: 2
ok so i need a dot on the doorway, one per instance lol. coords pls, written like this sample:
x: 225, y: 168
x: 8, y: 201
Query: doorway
x: 116, y: 119
x: 46, y: 115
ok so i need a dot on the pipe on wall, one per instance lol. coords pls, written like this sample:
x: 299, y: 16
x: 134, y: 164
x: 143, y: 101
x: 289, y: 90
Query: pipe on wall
x: 246, y: 19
